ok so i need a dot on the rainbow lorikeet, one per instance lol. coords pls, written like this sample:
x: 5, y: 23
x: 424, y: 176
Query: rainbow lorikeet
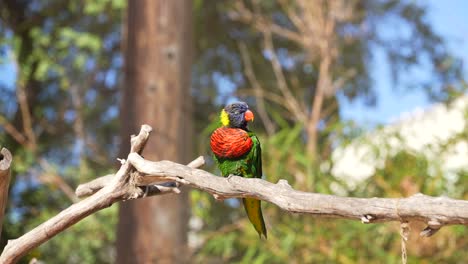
x: 237, y: 152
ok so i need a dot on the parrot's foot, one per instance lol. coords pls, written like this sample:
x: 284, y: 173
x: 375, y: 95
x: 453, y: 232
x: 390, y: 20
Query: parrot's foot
x: 230, y: 176
x: 219, y: 197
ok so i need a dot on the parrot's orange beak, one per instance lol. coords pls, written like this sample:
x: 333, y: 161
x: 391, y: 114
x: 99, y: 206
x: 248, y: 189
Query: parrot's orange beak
x: 248, y: 116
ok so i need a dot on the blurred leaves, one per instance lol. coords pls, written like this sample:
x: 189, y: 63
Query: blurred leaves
x: 302, y: 239
x: 67, y: 54
x: 66, y: 59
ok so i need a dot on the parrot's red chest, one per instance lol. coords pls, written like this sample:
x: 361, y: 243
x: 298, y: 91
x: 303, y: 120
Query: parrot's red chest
x: 230, y: 143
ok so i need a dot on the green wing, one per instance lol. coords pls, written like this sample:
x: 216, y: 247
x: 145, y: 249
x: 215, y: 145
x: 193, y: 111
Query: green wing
x: 256, y: 156
x: 249, y: 166
x: 252, y: 206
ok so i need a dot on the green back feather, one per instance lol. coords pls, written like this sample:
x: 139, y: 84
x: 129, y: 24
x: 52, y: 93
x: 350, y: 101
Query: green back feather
x: 249, y: 166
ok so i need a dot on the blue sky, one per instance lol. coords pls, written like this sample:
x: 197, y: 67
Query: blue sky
x: 7, y: 74
x: 449, y: 19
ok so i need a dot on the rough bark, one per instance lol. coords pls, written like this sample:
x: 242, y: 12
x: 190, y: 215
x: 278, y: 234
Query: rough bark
x: 116, y: 190
x: 157, y: 72
x: 435, y: 211
x: 139, y: 178
x: 5, y: 163
x: 108, y: 190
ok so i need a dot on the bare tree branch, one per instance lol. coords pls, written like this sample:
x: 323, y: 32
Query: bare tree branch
x: 77, y: 98
x: 95, y: 185
x: 5, y: 164
x: 257, y: 89
x: 313, y: 28
x: 13, y: 132
x: 435, y: 211
x: 89, y: 188
x: 26, y: 117
x: 139, y: 178
x: 107, y: 191
x: 49, y: 174
x: 269, y: 96
x: 292, y: 102
x: 243, y: 14
x: 118, y: 189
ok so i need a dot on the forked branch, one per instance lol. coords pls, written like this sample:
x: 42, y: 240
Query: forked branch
x: 120, y: 187
x: 138, y: 178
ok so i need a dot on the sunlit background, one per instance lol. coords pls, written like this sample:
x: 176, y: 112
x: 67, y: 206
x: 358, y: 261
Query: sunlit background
x: 392, y: 121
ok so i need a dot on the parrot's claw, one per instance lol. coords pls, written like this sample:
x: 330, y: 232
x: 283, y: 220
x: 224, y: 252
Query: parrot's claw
x: 230, y: 176
x: 218, y: 197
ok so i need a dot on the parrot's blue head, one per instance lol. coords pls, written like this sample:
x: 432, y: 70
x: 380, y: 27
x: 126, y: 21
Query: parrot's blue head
x: 236, y: 115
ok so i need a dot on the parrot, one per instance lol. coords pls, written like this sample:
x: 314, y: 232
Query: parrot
x: 237, y: 151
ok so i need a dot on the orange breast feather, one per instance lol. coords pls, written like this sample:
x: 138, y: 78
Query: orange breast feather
x: 230, y: 142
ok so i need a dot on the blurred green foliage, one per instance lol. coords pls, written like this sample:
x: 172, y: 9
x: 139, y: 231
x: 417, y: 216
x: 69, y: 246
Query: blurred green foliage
x: 303, y: 239
x: 69, y: 50
x: 295, y: 238
x: 66, y: 57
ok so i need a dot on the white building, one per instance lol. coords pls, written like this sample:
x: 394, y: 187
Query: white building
x: 434, y: 133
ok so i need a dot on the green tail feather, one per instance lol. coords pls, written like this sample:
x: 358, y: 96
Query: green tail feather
x: 254, y: 212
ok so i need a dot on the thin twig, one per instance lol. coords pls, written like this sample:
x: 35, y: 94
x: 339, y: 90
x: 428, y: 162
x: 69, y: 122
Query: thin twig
x: 26, y: 116
x: 51, y: 176
x: 269, y: 96
x: 243, y: 14
x: 404, y: 233
x: 291, y: 101
x: 13, y: 132
x: 257, y: 88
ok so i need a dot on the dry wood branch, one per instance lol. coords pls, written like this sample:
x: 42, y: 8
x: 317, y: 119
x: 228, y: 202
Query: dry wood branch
x: 95, y: 185
x: 117, y: 190
x: 435, y: 211
x: 138, y: 178
x: 5, y: 164
x: 89, y: 188
x: 106, y: 191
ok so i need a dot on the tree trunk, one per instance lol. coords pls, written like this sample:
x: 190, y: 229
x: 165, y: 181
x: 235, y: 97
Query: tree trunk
x: 157, y: 79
